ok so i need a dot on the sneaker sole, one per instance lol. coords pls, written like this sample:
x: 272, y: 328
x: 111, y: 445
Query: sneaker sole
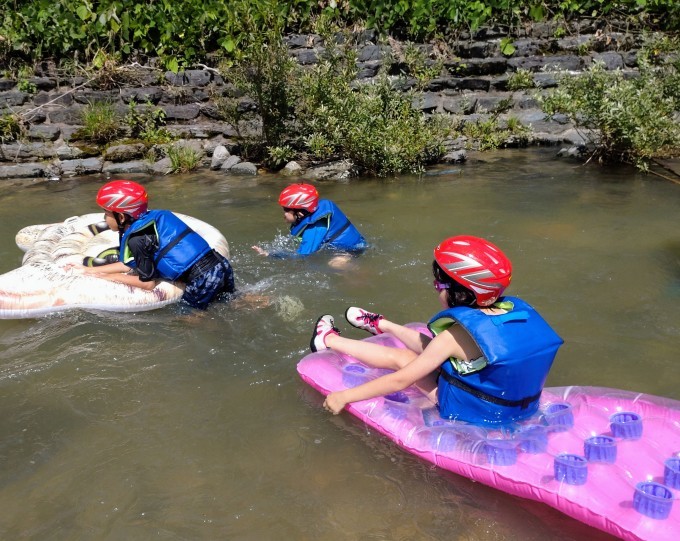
x: 314, y: 335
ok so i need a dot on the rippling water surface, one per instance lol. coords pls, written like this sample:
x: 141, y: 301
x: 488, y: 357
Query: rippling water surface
x: 167, y: 426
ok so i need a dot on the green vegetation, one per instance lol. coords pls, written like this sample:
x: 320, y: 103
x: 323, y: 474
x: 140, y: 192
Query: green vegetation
x: 185, y: 32
x: 626, y: 119
x: 12, y: 127
x: 101, y: 123
x: 491, y: 134
x: 521, y: 80
x: 320, y: 112
x: 147, y: 124
x: 316, y: 113
x: 183, y: 158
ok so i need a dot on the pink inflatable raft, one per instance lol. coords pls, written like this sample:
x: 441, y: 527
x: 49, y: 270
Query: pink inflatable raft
x: 606, y: 457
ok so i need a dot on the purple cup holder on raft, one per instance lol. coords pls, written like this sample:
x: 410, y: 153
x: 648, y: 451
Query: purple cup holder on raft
x: 397, y: 404
x: 532, y: 439
x: 559, y: 416
x: 353, y: 375
x: 671, y: 472
x: 653, y: 500
x: 571, y: 469
x: 600, y: 449
x: 626, y: 425
x: 501, y: 452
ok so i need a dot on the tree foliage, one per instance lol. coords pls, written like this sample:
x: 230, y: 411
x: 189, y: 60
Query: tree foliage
x: 626, y: 119
x: 182, y: 32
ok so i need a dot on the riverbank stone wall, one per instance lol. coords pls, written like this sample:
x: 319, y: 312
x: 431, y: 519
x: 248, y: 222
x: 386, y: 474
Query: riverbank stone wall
x: 473, y: 85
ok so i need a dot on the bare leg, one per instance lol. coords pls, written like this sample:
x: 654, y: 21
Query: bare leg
x: 378, y: 356
x: 412, y: 339
x: 373, y: 355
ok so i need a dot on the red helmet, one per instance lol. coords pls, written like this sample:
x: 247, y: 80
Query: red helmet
x: 476, y: 264
x: 300, y: 196
x: 123, y: 196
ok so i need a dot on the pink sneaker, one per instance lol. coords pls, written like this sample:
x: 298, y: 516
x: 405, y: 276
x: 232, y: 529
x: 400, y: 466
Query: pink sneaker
x: 325, y: 325
x: 362, y: 319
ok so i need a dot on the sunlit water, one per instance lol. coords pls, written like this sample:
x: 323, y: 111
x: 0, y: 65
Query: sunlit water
x: 159, y: 425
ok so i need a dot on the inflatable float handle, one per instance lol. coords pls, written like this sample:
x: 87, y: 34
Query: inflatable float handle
x: 72, y: 219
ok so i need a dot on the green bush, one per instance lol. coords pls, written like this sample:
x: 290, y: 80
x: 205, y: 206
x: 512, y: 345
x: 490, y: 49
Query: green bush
x: 264, y: 74
x: 631, y: 120
x: 373, y: 125
x: 490, y: 134
x: 12, y: 127
x: 147, y: 124
x: 521, y: 80
x: 184, y: 32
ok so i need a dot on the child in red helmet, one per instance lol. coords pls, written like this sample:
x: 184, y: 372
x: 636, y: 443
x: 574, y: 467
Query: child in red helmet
x: 315, y: 223
x: 489, y: 357
x: 158, y: 245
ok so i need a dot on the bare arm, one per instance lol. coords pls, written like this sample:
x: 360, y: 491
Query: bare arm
x: 115, y: 272
x: 129, y: 279
x: 454, y: 342
x: 418, y: 371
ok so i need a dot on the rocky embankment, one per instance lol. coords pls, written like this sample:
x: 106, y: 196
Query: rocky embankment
x: 473, y: 85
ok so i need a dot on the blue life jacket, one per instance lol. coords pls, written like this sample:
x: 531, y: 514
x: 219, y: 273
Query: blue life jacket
x: 519, y: 347
x: 340, y: 232
x: 179, y: 246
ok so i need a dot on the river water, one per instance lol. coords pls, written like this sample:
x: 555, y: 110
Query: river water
x: 159, y: 425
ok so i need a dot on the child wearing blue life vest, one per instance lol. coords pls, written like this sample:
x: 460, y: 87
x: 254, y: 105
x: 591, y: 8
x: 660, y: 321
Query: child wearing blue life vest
x: 315, y: 223
x: 489, y: 357
x: 157, y: 245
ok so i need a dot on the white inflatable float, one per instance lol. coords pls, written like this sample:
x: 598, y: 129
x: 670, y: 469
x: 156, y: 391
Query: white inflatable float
x: 43, y: 286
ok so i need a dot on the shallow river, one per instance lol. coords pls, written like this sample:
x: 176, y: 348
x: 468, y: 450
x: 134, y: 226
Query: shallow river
x: 159, y: 425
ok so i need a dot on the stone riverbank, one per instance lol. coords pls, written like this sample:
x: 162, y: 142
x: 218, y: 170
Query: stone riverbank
x: 473, y: 85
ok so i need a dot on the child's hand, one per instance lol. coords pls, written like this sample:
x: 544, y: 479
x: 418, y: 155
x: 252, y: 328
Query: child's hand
x: 260, y: 250
x: 334, y: 403
x: 74, y: 267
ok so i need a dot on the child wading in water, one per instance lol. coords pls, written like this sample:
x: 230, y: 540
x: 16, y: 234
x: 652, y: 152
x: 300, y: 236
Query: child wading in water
x: 157, y: 245
x: 315, y: 223
x: 490, y: 355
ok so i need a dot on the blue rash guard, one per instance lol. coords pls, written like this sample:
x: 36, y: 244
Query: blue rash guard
x: 326, y: 227
x: 505, y: 384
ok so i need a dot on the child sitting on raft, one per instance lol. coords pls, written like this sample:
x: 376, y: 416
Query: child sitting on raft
x: 157, y: 245
x: 315, y: 223
x: 490, y: 355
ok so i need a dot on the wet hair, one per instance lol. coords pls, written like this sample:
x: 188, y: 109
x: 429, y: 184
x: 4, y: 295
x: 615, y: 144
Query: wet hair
x: 457, y: 294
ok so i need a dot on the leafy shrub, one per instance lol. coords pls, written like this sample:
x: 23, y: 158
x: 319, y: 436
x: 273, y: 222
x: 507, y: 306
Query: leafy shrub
x: 625, y: 119
x: 264, y: 74
x: 521, y: 80
x: 183, y: 32
x: 277, y: 157
x: 374, y: 125
x: 147, y: 124
x: 12, y: 127
x: 489, y: 134
x: 27, y: 86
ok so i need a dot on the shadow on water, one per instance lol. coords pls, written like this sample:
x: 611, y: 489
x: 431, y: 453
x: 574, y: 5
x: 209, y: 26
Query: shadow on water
x: 174, y: 426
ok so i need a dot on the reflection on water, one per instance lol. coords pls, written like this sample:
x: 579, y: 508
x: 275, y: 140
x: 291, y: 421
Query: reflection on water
x: 175, y: 426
